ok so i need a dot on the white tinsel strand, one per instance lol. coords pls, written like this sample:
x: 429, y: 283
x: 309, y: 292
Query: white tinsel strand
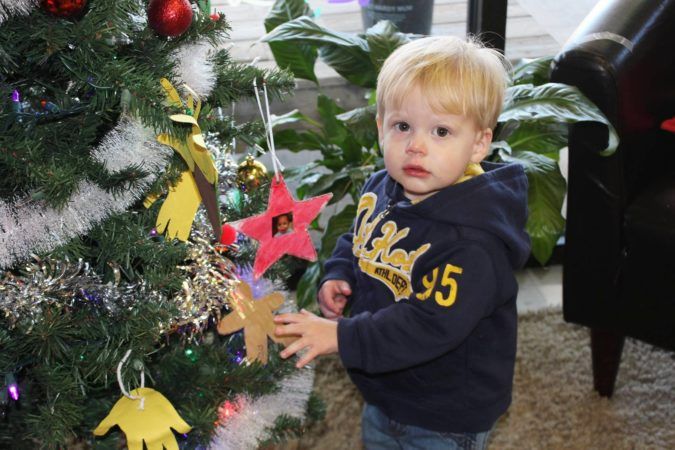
x: 254, y: 418
x: 195, y: 69
x: 9, y: 8
x: 28, y: 227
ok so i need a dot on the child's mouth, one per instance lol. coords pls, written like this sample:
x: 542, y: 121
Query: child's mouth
x: 415, y: 171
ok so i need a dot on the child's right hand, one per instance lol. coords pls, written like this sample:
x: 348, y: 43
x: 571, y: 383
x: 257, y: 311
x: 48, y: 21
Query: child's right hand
x: 333, y: 298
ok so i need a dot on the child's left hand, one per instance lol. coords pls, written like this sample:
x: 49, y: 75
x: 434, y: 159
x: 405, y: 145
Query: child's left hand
x: 317, y: 335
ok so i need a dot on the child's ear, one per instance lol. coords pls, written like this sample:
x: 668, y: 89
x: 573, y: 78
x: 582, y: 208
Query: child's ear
x: 482, y: 145
x: 378, y: 119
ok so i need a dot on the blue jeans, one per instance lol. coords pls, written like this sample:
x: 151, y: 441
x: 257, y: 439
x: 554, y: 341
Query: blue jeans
x: 379, y: 432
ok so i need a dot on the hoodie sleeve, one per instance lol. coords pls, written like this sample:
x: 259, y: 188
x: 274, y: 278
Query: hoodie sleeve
x: 448, y: 302
x: 340, y: 266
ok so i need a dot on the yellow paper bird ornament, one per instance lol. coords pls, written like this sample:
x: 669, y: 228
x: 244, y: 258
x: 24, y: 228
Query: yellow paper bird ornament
x: 196, y: 185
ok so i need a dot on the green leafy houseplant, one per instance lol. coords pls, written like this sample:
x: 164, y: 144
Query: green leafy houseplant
x: 531, y: 131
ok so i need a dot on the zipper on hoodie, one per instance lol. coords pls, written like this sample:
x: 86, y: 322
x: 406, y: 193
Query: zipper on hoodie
x: 385, y: 213
x: 377, y: 222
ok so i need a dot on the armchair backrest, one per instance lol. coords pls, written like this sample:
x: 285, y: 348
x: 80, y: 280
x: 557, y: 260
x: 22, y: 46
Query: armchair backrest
x: 622, y: 57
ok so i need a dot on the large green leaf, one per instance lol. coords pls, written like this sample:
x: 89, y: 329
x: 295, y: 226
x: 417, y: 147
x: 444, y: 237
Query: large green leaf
x: 334, y: 129
x: 338, y: 224
x: 297, y: 141
x: 292, y: 117
x: 308, y: 286
x: 305, y: 29
x: 359, y: 174
x: 355, y: 67
x: 352, y: 151
x: 554, y: 101
x: 306, y: 179
x: 497, y: 151
x: 299, y: 59
x: 300, y: 172
x: 546, y: 193
x: 532, y: 71
x: 337, y: 132
x: 383, y: 38
x: 505, y: 129
x: 543, y: 136
x: 285, y: 10
x: 361, y: 123
x: 347, y: 53
x: 336, y: 182
x: 332, y: 157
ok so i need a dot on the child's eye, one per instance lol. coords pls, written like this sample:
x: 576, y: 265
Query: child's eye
x: 442, y: 132
x: 402, y: 126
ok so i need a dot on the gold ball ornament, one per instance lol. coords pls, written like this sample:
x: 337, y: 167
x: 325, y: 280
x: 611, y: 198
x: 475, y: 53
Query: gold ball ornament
x: 251, y: 173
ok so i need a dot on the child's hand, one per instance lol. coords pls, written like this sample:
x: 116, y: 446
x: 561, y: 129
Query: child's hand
x: 333, y: 298
x: 317, y: 335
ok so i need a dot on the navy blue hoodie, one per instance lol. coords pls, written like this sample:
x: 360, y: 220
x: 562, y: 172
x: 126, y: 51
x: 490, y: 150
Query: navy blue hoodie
x: 431, y: 339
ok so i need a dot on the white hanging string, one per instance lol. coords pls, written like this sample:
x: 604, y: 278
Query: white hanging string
x: 123, y: 389
x: 262, y: 115
x: 275, y: 161
x: 267, y: 122
x: 195, y: 97
x: 233, y: 143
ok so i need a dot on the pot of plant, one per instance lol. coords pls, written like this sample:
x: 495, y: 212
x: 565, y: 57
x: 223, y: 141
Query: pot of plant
x: 409, y: 16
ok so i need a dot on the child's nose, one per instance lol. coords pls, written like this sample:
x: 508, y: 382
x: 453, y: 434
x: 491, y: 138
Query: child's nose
x: 416, y: 144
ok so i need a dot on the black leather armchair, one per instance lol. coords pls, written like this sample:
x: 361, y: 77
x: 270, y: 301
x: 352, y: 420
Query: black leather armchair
x: 619, y: 256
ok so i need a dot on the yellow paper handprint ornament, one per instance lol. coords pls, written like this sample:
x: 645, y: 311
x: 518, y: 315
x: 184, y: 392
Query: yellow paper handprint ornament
x: 147, y: 418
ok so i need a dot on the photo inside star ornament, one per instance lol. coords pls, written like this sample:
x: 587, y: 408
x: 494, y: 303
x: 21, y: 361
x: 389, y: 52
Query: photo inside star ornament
x: 283, y: 229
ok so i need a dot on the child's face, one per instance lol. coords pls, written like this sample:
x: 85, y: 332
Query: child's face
x: 282, y: 224
x: 426, y: 151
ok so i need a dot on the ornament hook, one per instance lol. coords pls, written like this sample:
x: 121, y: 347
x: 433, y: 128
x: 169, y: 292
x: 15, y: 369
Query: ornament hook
x: 121, y: 383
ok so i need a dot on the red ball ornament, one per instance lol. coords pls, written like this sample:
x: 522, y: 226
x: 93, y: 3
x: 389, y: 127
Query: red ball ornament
x: 228, y: 234
x: 170, y: 17
x: 64, y: 8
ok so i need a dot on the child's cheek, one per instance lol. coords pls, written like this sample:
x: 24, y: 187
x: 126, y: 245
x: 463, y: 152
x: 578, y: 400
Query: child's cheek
x: 397, y: 137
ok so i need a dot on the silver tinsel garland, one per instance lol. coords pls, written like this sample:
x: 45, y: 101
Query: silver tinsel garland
x: 253, y: 419
x: 30, y: 227
x: 66, y: 285
x: 9, y: 8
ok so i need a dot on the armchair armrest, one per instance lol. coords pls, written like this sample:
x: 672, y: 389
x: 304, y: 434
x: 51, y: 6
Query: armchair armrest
x: 621, y: 55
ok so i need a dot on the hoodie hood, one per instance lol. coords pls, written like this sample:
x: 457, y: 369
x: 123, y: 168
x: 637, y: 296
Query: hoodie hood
x: 494, y: 202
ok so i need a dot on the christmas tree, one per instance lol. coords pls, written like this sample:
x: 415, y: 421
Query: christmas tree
x: 116, y: 271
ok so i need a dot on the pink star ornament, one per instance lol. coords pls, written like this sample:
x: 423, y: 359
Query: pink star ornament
x: 275, y: 242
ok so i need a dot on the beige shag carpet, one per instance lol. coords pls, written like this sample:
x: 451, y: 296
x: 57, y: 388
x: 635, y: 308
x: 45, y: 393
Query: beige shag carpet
x: 554, y: 405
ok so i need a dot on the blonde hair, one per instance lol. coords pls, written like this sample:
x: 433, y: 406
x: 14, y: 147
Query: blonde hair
x: 456, y: 77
